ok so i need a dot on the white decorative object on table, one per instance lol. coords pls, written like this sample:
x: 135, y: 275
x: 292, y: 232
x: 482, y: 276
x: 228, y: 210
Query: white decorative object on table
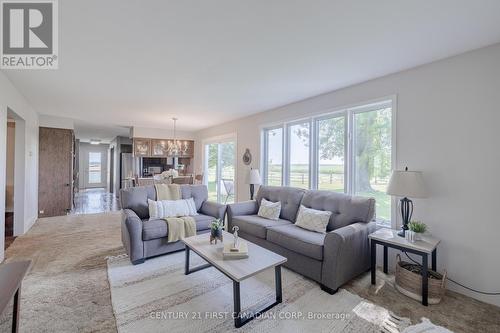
x: 410, y: 236
x: 235, y: 235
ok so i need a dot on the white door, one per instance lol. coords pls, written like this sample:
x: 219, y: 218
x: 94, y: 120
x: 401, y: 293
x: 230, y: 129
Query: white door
x: 94, y: 162
x: 220, y: 171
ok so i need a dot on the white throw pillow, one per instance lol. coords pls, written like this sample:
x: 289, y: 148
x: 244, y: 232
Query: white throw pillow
x: 312, y: 219
x: 191, y: 206
x: 171, y: 208
x: 269, y: 210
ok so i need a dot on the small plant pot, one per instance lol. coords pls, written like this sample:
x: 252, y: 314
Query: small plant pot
x: 417, y: 236
x: 216, y: 233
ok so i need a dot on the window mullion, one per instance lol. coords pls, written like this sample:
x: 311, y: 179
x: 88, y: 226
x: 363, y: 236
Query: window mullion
x: 286, y: 157
x: 349, y: 165
x: 313, y: 153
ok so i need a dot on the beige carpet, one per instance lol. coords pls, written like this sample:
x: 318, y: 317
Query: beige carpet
x: 157, y: 296
x: 67, y: 289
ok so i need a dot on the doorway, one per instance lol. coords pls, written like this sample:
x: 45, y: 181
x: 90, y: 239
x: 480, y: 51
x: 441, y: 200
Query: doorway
x: 93, y: 165
x: 14, y: 177
x: 9, y: 182
x: 220, y: 171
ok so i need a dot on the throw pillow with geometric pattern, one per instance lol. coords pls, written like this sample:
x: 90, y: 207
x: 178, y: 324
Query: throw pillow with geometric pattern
x: 313, y: 219
x: 269, y: 210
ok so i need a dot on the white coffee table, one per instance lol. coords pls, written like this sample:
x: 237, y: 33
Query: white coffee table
x: 259, y: 259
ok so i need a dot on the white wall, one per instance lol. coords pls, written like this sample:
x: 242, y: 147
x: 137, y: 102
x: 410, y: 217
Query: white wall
x: 448, y: 120
x: 56, y: 122
x: 11, y: 98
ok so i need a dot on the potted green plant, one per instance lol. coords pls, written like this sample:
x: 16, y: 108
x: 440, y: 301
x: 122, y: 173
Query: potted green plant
x: 216, y: 227
x: 416, y: 229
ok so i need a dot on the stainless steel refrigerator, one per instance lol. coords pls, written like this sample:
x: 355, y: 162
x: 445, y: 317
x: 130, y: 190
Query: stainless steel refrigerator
x: 130, y: 167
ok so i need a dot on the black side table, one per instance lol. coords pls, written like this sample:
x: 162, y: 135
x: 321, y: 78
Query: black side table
x: 389, y: 238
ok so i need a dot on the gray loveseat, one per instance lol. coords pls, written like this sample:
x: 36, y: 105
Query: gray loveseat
x: 142, y: 238
x: 331, y: 259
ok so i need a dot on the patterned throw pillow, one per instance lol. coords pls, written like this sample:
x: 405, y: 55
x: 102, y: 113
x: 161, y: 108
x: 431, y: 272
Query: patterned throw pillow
x: 171, y: 208
x: 269, y: 210
x: 312, y: 219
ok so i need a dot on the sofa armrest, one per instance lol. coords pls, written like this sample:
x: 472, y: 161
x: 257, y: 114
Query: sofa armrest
x: 132, y: 236
x: 241, y: 208
x: 214, y: 209
x: 346, y: 253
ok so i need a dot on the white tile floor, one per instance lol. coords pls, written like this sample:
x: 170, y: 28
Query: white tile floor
x: 95, y: 200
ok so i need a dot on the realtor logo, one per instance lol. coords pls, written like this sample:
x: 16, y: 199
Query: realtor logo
x: 29, y: 34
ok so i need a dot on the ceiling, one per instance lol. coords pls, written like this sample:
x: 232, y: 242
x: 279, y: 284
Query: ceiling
x: 131, y: 63
x: 85, y: 131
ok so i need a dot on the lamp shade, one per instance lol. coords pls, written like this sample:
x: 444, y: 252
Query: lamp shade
x: 253, y: 177
x: 404, y: 183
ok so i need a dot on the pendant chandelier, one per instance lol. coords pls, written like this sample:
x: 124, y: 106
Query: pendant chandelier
x: 176, y: 147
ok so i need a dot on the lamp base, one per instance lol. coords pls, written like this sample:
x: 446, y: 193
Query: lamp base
x: 406, y: 213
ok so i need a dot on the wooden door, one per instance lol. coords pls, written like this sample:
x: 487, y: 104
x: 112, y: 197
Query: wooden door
x: 55, y: 171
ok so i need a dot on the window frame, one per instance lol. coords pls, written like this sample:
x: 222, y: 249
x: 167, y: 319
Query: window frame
x: 265, y: 152
x: 310, y: 148
x: 348, y: 113
x: 316, y: 120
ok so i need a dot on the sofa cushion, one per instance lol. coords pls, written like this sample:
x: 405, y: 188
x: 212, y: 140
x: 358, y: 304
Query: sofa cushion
x: 136, y: 199
x: 294, y: 238
x: 154, y: 229
x: 158, y: 228
x: 290, y: 198
x: 269, y: 210
x: 256, y: 225
x: 198, y: 192
x: 203, y: 221
x: 345, y: 209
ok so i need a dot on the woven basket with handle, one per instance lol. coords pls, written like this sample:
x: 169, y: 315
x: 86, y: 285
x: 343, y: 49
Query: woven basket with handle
x: 409, y: 282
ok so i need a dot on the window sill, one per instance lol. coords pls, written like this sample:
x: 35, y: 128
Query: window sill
x: 381, y: 223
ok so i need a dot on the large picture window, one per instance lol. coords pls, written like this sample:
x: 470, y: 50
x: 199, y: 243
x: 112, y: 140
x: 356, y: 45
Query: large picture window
x: 348, y: 151
x: 274, y: 156
x: 331, y: 153
x: 299, y: 138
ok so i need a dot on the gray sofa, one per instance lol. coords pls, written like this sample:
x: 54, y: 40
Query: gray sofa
x: 331, y: 259
x: 142, y: 238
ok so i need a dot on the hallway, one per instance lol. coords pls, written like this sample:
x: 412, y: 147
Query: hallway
x: 95, y: 200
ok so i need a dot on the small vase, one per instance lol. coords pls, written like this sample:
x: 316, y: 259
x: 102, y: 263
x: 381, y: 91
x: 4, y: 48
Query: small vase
x: 216, y: 233
x: 410, y: 236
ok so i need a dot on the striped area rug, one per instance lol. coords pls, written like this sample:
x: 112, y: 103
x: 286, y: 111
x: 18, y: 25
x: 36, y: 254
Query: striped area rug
x: 157, y: 297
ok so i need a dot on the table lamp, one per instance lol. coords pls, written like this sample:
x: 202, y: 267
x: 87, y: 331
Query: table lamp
x: 253, y: 178
x: 404, y: 183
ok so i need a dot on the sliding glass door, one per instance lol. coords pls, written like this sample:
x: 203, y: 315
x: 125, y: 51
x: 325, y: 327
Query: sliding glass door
x: 220, y: 159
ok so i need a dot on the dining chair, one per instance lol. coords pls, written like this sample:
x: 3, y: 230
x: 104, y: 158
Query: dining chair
x: 228, y: 188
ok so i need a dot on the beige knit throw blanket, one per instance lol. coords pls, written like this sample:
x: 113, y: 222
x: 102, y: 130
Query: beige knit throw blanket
x: 178, y: 227
x: 168, y: 192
